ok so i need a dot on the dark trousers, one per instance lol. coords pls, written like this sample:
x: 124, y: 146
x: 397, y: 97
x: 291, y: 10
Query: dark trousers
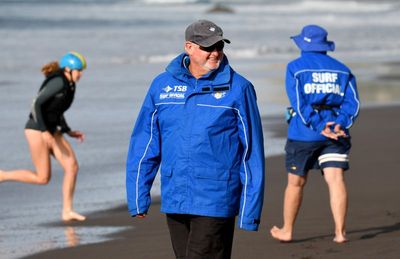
x: 201, y: 237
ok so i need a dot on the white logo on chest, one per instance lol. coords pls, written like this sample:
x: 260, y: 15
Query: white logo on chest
x: 175, y: 92
x: 219, y: 95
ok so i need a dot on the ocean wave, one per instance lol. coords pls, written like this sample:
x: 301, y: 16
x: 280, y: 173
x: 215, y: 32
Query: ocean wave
x: 237, y: 53
x: 315, y: 6
x: 173, y: 1
x: 268, y: 53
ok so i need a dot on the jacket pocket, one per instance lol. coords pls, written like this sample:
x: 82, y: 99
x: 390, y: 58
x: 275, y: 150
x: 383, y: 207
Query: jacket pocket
x: 212, y: 174
x: 209, y: 188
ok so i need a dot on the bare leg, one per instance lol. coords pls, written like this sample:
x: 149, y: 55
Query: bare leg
x: 66, y: 156
x: 338, y: 200
x: 40, y: 153
x: 291, y: 206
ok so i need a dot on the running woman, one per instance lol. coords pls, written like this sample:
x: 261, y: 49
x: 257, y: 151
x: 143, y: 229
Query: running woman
x: 46, y: 127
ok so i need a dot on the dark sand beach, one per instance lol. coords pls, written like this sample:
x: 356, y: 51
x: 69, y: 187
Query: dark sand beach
x: 373, y: 224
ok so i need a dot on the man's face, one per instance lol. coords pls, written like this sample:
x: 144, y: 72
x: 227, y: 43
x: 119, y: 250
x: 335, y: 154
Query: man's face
x: 204, y: 59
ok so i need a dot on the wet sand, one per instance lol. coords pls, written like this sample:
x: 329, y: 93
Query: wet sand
x: 373, y: 222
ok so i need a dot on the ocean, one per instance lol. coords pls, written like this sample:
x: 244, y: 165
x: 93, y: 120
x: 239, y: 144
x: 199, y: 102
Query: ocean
x: 127, y: 43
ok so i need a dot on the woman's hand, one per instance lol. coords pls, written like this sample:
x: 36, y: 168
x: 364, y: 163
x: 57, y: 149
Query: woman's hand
x: 77, y: 134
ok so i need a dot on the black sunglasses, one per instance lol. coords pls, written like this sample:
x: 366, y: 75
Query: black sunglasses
x: 219, y: 46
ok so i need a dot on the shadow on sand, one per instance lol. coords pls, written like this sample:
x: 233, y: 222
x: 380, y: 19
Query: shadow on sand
x: 369, y: 233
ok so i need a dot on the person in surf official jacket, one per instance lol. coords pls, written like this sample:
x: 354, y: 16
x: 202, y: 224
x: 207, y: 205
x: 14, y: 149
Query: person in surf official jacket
x: 323, y: 94
x: 200, y: 122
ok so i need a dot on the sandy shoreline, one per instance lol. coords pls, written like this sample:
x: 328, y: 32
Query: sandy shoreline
x: 373, y: 224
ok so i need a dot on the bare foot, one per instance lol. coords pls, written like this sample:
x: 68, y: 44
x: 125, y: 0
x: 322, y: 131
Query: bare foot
x: 72, y: 215
x: 280, y: 235
x: 340, y: 239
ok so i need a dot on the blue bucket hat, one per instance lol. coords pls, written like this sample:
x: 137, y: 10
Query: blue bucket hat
x: 313, y: 38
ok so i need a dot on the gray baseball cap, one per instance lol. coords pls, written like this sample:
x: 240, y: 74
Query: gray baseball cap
x: 204, y: 33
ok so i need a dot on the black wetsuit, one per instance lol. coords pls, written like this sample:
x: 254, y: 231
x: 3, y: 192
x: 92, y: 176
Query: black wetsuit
x: 54, y: 98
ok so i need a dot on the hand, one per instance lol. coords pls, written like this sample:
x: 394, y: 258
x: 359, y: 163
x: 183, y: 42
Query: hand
x: 339, y: 132
x: 141, y: 215
x: 77, y: 134
x: 48, y: 138
x: 327, y: 131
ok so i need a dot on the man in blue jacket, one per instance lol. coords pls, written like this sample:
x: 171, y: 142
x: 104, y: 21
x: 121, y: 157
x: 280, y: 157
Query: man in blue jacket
x: 324, y: 99
x: 200, y: 122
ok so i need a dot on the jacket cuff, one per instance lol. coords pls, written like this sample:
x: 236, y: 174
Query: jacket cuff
x: 134, y: 213
x: 143, y: 208
x: 249, y: 224
x: 317, y: 124
x: 341, y: 120
x: 320, y: 127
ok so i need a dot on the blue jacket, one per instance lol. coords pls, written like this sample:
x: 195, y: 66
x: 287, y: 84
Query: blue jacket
x: 206, y: 133
x: 318, y: 79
